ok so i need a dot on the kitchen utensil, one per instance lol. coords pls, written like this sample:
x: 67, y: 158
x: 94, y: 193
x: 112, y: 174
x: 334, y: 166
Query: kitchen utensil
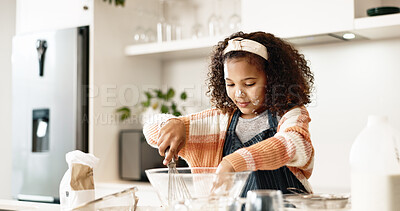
x: 199, y: 181
x: 264, y: 200
x: 382, y: 11
x: 177, y: 189
x: 125, y: 200
x: 317, y: 201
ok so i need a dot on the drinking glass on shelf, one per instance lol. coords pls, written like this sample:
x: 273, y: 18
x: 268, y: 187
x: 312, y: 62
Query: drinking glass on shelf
x: 150, y: 35
x: 197, y: 28
x: 264, y: 200
x: 214, y: 21
x: 197, y: 31
x: 139, y: 35
x: 213, y: 25
x: 234, y: 21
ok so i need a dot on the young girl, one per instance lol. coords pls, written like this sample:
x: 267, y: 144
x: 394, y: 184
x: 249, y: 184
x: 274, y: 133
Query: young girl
x: 258, y: 85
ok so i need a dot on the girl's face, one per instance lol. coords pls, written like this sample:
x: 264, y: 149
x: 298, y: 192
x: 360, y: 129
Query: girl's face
x: 245, y: 85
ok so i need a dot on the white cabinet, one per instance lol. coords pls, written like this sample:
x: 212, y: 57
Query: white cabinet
x: 50, y: 14
x: 376, y: 27
x: 294, y: 18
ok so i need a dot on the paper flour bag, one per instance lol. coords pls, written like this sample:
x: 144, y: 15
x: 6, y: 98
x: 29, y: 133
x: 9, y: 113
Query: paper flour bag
x: 77, y: 185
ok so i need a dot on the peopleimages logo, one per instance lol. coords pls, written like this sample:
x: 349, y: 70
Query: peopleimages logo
x: 110, y: 97
x: 107, y: 98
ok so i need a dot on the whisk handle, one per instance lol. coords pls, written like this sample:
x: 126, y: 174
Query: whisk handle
x: 173, y: 161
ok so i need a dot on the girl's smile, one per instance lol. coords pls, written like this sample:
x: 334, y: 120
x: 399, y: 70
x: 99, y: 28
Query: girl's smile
x: 245, y: 85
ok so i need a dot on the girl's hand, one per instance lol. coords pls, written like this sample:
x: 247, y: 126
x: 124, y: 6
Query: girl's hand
x: 223, y: 181
x: 173, y: 137
x: 224, y: 166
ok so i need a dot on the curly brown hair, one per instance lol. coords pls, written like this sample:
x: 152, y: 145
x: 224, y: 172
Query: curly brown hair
x: 289, y: 79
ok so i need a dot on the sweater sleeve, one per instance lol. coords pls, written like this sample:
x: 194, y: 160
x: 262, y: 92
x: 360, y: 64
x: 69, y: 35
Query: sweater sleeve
x: 205, y: 131
x: 290, y: 146
x: 152, y: 125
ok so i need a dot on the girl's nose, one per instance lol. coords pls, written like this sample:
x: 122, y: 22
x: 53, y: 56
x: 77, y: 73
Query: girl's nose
x: 239, y: 93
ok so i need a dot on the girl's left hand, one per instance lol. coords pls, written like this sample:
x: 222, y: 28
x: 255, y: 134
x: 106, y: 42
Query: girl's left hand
x: 222, y: 183
x: 224, y: 166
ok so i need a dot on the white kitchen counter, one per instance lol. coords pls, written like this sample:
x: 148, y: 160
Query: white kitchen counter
x: 27, y: 206
x: 148, y: 199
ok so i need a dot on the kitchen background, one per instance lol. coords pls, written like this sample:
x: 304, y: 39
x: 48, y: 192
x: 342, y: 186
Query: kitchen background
x: 352, y: 78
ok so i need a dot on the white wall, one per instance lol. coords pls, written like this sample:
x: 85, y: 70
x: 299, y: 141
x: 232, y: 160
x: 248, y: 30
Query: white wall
x: 188, y: 75
x: 352, y: 80
x: 7, y: 26
x: 113, y: 74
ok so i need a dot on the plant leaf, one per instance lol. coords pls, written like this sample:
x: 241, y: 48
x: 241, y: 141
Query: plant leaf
x: 124, y: 116
x: 125, y: 113
x: 173, y: 106
x: 159, y: 93
x: 177, y: 113
x: 146, y: 103
x: 164, y: 109
x: 120, y: 2
x: 124, y: 109
x: 148, y: 95
x: 183, y: 96
x: 170, y: 94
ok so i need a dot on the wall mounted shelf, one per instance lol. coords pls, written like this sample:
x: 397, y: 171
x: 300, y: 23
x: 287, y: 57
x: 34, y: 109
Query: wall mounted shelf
x: 174, y: 49
x: 378, y: 27
x: 375, y: 27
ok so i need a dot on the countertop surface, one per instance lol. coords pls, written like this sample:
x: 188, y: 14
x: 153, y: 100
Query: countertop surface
x: 148, y: 199
x: 27, y: 206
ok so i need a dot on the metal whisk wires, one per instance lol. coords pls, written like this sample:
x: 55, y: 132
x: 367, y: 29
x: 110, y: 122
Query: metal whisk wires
x: 177, y: 189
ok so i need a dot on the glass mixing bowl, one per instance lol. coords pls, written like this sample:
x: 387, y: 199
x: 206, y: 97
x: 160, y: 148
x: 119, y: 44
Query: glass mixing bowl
x: 201, y: 183
x: 317, y: 201
x: 125, y: 200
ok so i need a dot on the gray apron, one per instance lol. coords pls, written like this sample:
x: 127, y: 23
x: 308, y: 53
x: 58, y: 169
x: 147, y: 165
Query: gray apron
x: 279, y: 179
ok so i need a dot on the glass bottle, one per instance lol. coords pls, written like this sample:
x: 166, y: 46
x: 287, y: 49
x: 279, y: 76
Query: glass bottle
x: 163, y: 28
x: 375, y: 167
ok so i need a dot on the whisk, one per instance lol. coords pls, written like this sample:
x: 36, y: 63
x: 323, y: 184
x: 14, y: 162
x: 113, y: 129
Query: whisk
x: 177, y: 189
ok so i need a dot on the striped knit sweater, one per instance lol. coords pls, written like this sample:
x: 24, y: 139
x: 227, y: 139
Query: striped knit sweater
x: 205, y: 137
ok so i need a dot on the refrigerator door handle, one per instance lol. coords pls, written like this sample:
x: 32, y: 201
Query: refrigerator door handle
x: 41, y: 46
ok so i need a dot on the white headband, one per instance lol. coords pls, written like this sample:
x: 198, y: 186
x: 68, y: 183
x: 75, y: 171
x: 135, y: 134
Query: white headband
x: 240, y: 44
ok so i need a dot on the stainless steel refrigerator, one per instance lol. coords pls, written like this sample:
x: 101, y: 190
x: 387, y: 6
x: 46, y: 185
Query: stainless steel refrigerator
x: 49, y: 109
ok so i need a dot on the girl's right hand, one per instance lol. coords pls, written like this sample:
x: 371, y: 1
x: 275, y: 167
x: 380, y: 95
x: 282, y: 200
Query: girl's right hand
x: 173, y: 137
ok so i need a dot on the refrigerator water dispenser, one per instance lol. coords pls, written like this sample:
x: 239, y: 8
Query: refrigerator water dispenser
x: 40, y: 130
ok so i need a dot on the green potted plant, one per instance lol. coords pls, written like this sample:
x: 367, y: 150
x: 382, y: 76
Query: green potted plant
x: 156, y: 101
x: 117, y: 2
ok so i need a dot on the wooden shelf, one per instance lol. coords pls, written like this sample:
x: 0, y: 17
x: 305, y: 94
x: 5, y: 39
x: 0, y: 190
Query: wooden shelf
x: 174, y: 49
x: 378, y: 27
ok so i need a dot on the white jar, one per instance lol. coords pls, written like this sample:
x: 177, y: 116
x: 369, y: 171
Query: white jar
x: 375, y: 167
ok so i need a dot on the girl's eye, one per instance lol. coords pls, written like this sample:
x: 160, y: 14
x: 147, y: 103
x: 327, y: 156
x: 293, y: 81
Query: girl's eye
x: 250, y: 84
x: 230, y: 84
